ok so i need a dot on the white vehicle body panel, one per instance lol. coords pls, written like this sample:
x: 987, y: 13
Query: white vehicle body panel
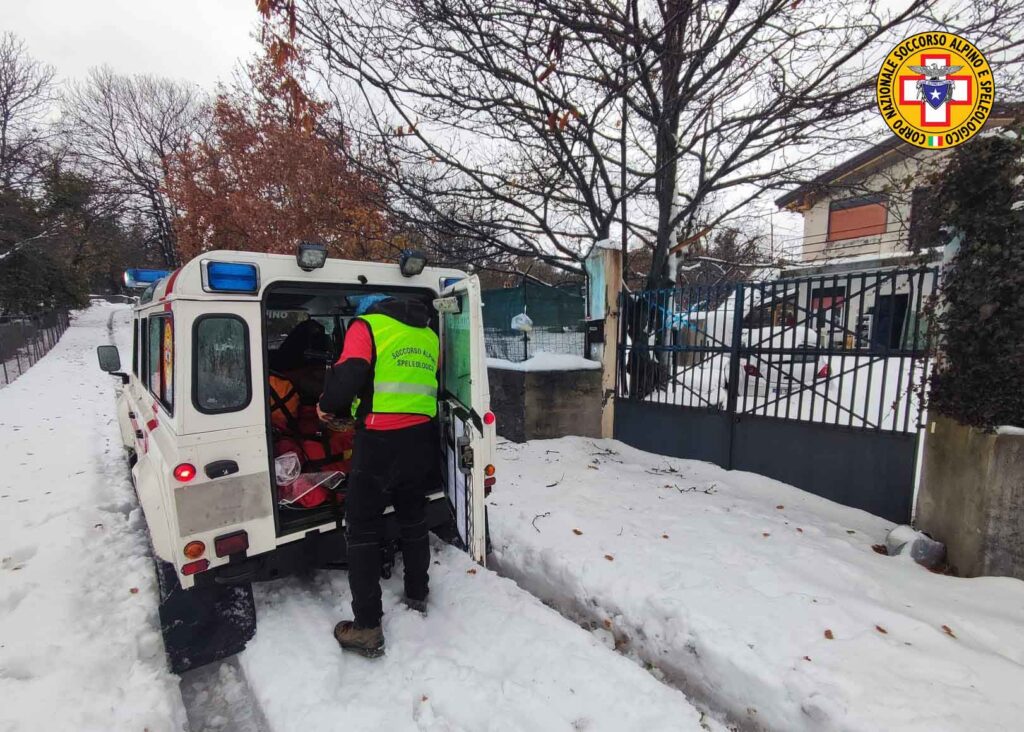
x: 163, y: 437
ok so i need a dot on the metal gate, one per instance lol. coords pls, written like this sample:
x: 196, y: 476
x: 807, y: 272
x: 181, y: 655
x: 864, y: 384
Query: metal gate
x: 814, y: 381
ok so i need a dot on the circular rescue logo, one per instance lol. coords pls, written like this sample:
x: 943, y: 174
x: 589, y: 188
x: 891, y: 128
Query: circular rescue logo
x: 935, y: 90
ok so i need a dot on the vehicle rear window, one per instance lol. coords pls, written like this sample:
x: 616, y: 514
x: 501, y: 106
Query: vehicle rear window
x: 221, y: 381
x: 161, y: 360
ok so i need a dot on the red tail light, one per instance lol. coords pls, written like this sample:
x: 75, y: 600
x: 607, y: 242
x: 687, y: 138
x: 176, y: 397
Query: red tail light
x: 231, y: 543
x: 751, y: 370
x: 824, y: 372
x: 489, y: 418
x: 185, y: 472
x: 195, y: 567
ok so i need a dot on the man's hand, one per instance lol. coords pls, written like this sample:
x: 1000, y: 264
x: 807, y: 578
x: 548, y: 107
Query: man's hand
x: 333, y: 422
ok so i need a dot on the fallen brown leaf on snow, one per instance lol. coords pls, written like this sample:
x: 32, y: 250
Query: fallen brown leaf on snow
x: 780, y: 507
x: 828, y: 634
x: 807, y: 658
x: 471, y: 570
x: 424, y: 698
x: 134, y: 590
x: 664, y: 536
x: 609, y: 557
x: 799, y: 529
x: 880, y: 629
x: 577, y: 532
x: 949, y: 631
x: 765, y: 534
x: 880, y: 549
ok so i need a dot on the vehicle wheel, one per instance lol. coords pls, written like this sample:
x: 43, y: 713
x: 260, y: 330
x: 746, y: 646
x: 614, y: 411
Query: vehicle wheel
x: 203, y: 624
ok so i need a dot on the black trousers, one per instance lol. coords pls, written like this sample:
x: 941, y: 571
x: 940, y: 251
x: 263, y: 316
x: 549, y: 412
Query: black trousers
x: 398, y: 467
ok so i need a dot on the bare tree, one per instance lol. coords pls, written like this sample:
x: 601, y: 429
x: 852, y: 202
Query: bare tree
x: 124, y: 131
x: 525, y: 125
x: 26, y: 98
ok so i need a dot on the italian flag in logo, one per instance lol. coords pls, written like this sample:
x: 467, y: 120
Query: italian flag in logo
x: 935, y: 140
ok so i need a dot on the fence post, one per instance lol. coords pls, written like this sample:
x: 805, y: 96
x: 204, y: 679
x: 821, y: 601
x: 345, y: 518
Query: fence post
x: 3, y: 362
x: 734, y: 367
x: 604, y: 280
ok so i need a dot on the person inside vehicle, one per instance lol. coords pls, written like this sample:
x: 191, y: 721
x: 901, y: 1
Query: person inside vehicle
x: 388, y: 368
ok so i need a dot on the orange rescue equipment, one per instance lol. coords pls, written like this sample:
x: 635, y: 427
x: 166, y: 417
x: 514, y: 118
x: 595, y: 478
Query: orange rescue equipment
x: 284, y: 403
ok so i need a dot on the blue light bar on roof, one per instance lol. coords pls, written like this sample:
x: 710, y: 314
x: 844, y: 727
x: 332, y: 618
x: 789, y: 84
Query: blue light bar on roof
x: 237, y: 277
x: 142, y: 278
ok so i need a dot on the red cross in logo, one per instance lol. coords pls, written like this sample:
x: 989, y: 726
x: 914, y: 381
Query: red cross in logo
x: 963, y: 92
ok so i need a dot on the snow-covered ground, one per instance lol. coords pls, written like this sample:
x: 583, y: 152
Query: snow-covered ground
x: 80, y: 647
x: 546, y: 362
x: 761, y: 601
x: 764, y: 601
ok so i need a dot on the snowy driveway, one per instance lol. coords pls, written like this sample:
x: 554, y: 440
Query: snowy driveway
x: 80, y: 649
x: 763, y: 600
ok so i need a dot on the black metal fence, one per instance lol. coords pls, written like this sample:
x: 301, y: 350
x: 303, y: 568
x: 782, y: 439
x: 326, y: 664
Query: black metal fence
x: 736, y: 370
x: 26, y: 338
x: 512, y: 345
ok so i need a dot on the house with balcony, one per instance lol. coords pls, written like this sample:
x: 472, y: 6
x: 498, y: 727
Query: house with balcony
x: 870, y: 244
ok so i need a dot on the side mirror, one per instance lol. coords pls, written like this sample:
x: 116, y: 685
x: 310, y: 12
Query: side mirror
x: 110, y: 361
x: 109, y: 358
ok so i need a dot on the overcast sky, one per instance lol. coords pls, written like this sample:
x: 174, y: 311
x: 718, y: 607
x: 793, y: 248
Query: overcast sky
x: 196, y: 40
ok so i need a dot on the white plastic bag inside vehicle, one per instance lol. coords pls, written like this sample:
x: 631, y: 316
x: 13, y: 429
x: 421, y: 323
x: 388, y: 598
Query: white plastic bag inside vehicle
x: 522, y: 323
x: 287, y: 468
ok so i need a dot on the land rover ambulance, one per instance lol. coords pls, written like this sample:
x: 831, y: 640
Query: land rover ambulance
x: 212, y: 343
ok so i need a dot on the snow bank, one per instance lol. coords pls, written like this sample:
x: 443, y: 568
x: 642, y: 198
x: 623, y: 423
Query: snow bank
x: 765, y: 601
x: 487, y: 656
x: 80, y: 647
x: 545, y: 362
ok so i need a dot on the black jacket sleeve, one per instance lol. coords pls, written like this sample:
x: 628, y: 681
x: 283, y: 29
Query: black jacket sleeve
x: 344, y: 382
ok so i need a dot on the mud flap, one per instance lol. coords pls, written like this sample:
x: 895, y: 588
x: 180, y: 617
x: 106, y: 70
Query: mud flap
x: 203, y: 624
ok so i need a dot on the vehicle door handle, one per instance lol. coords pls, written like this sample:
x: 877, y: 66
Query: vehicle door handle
x: 220, y: 468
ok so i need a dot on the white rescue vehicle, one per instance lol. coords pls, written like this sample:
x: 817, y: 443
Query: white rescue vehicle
x: 195, y: 418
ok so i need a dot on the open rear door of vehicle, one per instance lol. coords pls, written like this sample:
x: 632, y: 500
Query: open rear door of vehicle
x: 465, y: 402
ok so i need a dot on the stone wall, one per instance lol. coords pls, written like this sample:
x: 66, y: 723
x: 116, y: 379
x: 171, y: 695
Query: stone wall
x: 538, y: 405
x: 972, y: 498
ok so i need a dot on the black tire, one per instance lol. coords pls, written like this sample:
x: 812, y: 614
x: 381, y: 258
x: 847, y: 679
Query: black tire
x: 203, y: 624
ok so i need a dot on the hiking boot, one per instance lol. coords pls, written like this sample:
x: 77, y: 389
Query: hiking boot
x: 419, y: 606
x: 367, y: 642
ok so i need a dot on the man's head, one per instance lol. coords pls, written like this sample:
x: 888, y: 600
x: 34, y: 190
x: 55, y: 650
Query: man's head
x: 368, y: 301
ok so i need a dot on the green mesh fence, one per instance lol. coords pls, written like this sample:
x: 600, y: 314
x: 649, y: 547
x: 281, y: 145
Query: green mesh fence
x: 557, y: 314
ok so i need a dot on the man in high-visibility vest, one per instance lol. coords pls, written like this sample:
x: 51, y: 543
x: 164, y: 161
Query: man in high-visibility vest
x: 389, y: 364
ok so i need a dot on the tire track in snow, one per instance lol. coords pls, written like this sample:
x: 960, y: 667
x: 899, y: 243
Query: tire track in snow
x: 218, y: 698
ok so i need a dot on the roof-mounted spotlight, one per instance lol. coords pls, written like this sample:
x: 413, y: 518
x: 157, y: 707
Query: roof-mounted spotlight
x: 412, y: 262
x: 311, y: 256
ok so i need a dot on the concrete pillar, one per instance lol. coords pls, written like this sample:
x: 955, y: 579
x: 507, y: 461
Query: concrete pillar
x: 604, y: 281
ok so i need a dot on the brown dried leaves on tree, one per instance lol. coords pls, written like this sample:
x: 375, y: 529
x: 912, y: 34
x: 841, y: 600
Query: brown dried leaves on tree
x: 268, y: 177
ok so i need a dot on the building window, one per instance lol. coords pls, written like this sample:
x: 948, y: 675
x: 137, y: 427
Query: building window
x: 220, y: 347
x: 827, y: 305
x: 856, y: 217
x: 161, y: 360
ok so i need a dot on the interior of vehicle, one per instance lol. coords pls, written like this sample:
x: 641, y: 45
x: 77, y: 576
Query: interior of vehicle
x: 305, y: 327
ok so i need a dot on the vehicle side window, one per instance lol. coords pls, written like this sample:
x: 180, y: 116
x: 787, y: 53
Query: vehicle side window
x: 161, y: 360
x: 141, y: 329
x: 221, y: 380
x: 135, y: 347
x: 455, y: 361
